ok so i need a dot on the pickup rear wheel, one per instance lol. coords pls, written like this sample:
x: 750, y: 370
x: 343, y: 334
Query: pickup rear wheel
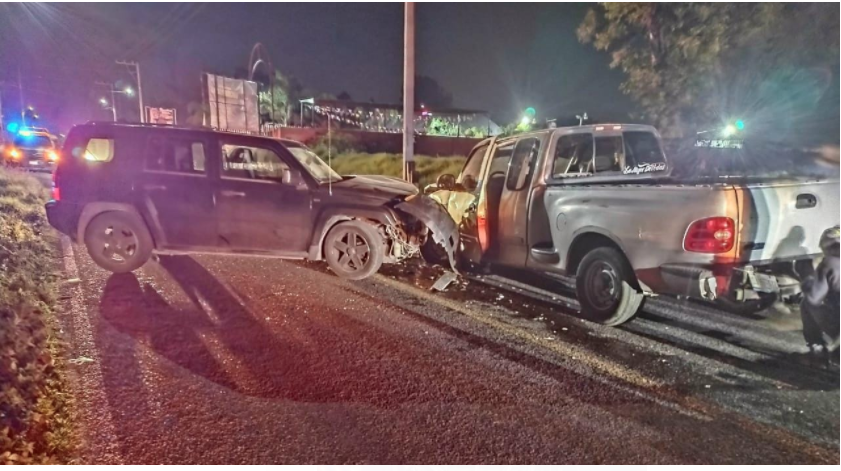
x: 354, y: 250
x: 605, y: 287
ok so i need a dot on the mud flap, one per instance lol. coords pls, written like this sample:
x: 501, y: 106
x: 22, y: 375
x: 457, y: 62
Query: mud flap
x: 437, y: 219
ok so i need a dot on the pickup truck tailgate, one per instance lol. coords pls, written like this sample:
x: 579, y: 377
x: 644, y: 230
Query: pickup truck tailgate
x: 785, y: 220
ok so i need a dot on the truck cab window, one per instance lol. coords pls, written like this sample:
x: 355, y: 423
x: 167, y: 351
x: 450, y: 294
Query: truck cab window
x: 522, y: 162
x: 610, y: 153
x: 573, y: 155
x: 642, y: 148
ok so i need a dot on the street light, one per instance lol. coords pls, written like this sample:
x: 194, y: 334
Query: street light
x: 103, y: 102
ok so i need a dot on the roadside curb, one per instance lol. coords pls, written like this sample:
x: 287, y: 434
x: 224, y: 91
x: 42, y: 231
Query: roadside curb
x: 83, y: 370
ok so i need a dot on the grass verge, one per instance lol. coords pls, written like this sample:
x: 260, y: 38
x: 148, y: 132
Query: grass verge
x: 428, y: 168
x: 34, y: 409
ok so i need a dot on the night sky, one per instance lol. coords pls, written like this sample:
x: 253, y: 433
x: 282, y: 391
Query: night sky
x: 496, y: 57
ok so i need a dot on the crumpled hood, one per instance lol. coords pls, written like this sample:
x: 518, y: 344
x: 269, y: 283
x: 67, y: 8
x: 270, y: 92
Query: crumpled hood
x: 377, y: 184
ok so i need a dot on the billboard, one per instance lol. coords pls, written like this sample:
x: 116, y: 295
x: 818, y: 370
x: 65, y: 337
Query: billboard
x: 231, y: 104
x: 160, y: 115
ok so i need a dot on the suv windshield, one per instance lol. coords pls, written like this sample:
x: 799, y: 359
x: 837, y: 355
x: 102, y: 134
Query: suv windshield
x: 314, y: 165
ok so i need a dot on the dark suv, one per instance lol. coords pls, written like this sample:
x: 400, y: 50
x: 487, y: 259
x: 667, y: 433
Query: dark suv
x: 128, y: 190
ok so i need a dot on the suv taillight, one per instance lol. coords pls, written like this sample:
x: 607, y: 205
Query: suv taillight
x: 710, y: 235
x: 56, y: 192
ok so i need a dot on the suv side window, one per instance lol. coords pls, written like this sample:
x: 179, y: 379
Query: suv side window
x: 251, y: 162
x: 573, y: 155
x: 610, y: 154
x: 522, y: 163
x: 179, y: 155
x: 469, y: 176
x: 96, y: 149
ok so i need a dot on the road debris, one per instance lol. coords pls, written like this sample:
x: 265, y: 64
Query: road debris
x: 444, y: 281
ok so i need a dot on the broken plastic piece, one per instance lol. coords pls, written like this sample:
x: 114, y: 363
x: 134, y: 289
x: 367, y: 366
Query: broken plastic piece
x: 444, y: 281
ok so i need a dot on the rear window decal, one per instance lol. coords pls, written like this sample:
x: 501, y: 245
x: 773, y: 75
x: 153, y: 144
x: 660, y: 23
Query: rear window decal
x: 644, y: 168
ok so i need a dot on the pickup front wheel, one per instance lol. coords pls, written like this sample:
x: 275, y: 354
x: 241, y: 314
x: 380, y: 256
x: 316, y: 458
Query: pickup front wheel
x: 354, y: 250
x: 605, y: 287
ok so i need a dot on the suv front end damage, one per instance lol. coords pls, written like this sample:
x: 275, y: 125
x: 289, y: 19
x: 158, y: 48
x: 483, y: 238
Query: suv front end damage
x: 436, y: 223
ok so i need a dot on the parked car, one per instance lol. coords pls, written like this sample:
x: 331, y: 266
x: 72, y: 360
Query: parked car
x: 126, y: 191
x: 599, y: 202
x: 32, y: 150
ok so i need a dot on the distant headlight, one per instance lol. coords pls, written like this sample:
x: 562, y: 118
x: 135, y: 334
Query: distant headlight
x: 52, y: 156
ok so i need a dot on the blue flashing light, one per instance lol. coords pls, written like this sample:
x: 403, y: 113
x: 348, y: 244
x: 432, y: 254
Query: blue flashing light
x: 24, y: 132
x: 740, y: 125
x: 12, y: 127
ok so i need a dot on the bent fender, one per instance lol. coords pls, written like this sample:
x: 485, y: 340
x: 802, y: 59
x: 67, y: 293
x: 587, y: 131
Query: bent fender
x: 437, y: 219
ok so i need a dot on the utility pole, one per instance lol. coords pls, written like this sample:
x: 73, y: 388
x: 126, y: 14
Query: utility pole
x: 2, y: 123
x: 113, y: 103
x: 22, y: 108
x: 409, y: 92
x: 113, y: 98
x: 139, y: 87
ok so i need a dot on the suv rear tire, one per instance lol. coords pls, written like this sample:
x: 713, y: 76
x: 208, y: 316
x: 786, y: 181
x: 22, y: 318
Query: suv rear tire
x: 605, y: 287
x: 354, y: 250
x: 118, y: 241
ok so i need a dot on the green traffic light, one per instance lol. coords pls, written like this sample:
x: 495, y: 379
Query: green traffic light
x: 740, y: 125
x: 530, y: 111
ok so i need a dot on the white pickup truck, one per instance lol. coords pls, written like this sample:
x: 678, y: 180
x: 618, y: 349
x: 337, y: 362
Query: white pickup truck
x: 603, y: 203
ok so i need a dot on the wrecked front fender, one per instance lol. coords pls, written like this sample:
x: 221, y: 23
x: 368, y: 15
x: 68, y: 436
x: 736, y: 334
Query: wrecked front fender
x: 436, y: 218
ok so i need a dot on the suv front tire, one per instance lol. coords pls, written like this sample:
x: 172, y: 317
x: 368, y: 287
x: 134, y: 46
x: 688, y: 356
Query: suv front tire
x: 118, y: 241
x: 354, y: 250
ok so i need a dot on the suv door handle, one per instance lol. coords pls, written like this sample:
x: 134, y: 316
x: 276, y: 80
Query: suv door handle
x: 153, y: 187
x: 232, y: 193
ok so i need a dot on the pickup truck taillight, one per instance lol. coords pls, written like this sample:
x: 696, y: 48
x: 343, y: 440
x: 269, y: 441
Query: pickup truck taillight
x: 482, y: 223
x: 710, y: 235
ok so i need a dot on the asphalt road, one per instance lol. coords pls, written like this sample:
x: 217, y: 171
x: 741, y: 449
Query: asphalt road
x: 215, y: 359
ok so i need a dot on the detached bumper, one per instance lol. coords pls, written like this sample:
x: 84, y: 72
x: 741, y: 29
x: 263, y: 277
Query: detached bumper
x: 740, y: 283
x: 690, y: 280
x: 63, y: 217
